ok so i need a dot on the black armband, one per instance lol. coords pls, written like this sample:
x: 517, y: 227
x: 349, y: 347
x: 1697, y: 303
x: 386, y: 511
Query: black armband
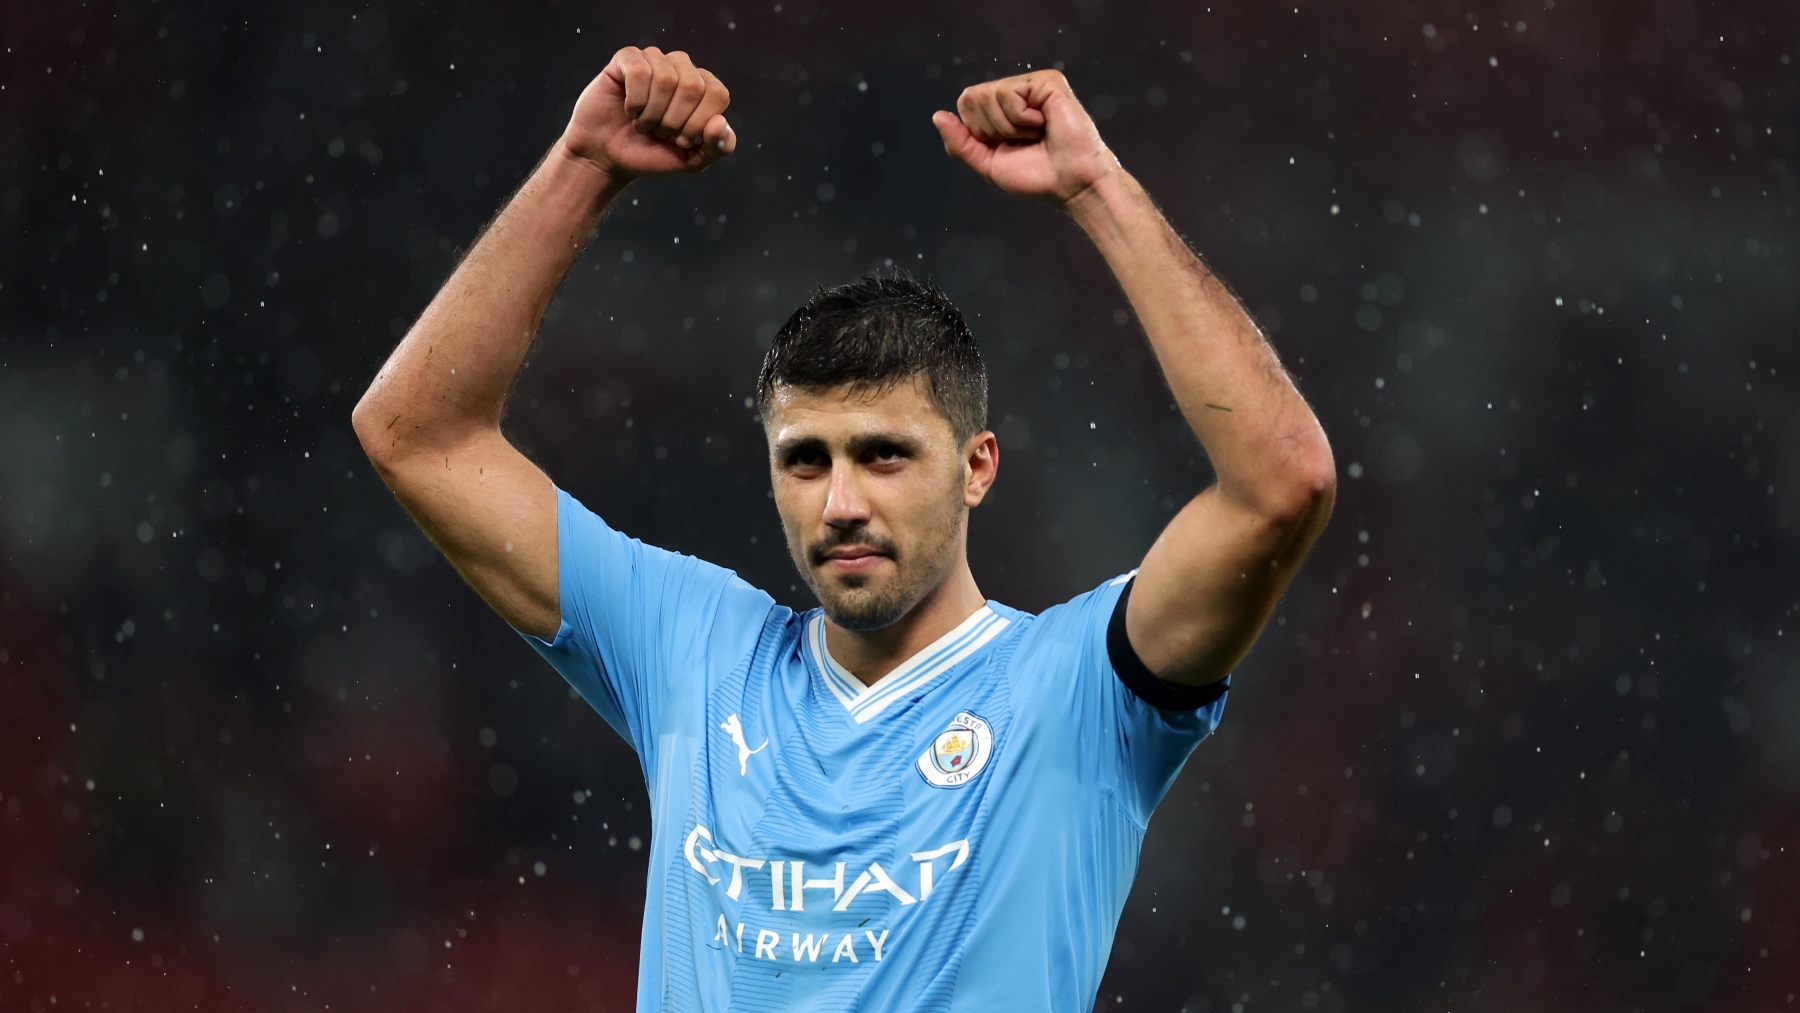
x: 1140, y: 680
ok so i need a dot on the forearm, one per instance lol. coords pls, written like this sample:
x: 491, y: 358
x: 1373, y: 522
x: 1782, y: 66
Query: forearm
x: 1265, y: 444
x: 450, y: 376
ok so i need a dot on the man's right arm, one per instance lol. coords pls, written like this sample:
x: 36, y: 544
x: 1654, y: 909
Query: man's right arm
x: 430, y: 421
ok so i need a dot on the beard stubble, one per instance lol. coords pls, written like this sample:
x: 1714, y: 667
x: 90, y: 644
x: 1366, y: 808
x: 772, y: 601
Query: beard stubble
x: 854, y: 605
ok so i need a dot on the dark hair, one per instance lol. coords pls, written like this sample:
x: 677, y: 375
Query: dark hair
x: 878, y: 331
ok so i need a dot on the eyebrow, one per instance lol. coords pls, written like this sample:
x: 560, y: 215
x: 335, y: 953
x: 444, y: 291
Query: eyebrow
x: 856, y: 446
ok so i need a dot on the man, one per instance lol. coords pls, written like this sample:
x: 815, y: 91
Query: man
x: 912, y: 798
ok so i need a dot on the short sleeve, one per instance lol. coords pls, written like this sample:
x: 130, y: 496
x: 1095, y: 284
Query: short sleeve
x: 1146, y: 728
x: 641, y: 625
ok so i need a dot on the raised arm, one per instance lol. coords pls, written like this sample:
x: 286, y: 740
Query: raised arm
x: 1209, y: 582
x: 430, y: 421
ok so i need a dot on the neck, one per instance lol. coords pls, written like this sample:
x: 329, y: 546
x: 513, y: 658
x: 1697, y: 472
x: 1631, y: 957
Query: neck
x: 872, y: 654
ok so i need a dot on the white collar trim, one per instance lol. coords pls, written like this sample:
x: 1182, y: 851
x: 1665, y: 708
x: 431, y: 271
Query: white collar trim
x: 946, y: 652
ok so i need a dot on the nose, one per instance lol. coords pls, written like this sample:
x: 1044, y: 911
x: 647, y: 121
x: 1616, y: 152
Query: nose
x: 845, y: 505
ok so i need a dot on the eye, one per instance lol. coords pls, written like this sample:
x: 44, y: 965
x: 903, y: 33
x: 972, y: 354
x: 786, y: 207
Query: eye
x: 887, y: 453
x: 807, y: 458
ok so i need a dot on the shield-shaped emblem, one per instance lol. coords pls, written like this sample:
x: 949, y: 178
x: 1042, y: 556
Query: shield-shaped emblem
x: 953, y: 750
x: 958, y: 753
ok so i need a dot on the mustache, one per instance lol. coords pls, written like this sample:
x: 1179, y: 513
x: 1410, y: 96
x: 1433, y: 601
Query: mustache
x: 856, y: 536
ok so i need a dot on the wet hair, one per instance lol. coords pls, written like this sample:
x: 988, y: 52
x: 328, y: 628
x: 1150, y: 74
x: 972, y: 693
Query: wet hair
x: 876, y: 332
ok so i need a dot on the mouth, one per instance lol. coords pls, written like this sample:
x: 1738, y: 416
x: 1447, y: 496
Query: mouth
x: 852, y: 559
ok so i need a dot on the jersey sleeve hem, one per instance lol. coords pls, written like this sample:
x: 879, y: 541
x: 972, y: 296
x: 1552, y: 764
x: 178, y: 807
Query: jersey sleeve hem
x: 561, y: 639
x: 1137, y: 676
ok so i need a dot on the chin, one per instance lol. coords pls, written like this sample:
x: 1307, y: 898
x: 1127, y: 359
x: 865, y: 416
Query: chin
x: 864, y: 617
x: 854, y: 606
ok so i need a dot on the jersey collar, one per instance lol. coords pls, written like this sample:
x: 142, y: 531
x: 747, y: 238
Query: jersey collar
x: 865, y: 702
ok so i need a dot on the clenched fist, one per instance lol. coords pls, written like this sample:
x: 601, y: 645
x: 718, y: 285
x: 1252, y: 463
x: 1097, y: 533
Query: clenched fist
x: 1029, y: 136
x: 650, y: 113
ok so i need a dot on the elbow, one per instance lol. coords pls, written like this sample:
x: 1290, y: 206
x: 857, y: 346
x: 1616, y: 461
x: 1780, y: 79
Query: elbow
x: 1309, y: 493
x: 359, y: 419
x: 394, y: 435
x: 1318, y: 479
x: 369, y: 429
x: 362, y: 421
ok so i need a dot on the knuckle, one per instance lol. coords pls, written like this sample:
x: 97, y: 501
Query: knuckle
x: 713, y: 84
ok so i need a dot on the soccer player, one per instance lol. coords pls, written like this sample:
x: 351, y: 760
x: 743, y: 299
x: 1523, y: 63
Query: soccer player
x: 911, y: 798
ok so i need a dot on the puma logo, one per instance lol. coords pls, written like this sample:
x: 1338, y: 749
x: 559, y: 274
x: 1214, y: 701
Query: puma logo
x: 734, y: 728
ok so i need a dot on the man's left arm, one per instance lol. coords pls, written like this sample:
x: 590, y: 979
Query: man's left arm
x: 1211, y: 579
x: 1209, y: 582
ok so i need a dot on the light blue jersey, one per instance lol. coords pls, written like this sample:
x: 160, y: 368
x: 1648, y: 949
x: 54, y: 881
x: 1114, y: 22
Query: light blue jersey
x: 960, y: 836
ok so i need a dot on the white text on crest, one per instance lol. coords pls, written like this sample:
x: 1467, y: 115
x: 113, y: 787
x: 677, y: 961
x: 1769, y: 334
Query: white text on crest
x: 789, y: 883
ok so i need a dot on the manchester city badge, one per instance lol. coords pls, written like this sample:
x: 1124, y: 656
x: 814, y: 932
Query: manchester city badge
x: 958, y: 753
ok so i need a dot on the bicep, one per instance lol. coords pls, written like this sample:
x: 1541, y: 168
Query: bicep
x: 492, y: 512
x: 1207, y: 586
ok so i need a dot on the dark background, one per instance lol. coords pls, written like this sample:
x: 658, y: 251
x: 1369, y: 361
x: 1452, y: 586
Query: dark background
x: 1525, y: 733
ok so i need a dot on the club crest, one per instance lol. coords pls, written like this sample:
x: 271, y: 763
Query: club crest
x: 958, y: 753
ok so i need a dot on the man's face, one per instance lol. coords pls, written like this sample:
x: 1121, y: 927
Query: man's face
x: 873, y: 491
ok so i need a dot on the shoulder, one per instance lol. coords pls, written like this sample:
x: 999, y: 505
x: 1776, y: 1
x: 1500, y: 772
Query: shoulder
x: 1069, y: 635
x: 1078, y: 619
x: 1087, y: 634
x: 768, y: 641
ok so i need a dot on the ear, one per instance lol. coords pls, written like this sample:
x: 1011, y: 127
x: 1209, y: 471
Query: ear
x: 981, y: 462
